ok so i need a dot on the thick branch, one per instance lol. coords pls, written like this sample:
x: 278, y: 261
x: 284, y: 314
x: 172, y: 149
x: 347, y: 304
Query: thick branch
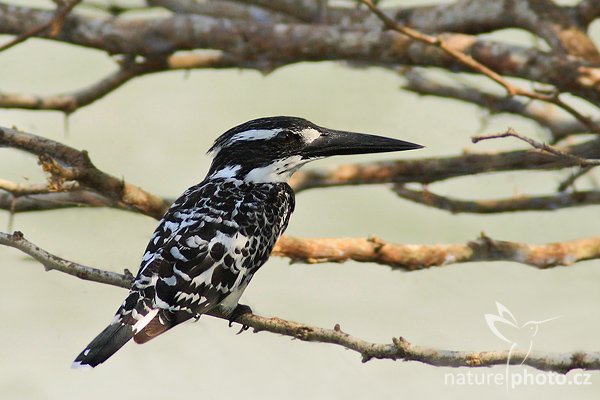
x: 304, y: 10
x: 399, y: 349
x: 563, y: 29
x: 222, y: 9
x: 67, y: 164
x: 279, y: 44
x: 52, y: 26
x: 587, y: 11
x: 416, y: 257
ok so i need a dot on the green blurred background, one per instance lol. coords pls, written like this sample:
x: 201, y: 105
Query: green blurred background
x: 155, y: 131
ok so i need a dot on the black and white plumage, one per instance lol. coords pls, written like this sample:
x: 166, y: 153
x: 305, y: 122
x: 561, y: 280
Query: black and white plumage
x: 214, y: 238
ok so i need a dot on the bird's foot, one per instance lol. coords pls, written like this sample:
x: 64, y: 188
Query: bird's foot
x: 237, y: 312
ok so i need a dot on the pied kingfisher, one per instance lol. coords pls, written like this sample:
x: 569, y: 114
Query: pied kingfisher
x: 214, y: 238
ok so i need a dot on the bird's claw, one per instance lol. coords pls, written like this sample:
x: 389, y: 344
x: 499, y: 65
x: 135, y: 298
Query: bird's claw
x: 237, y: 312
x: 243, y: 328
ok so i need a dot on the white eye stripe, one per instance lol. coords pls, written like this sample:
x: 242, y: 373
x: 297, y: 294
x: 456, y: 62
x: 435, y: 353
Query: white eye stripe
x: 307, y: 135
x: 246, y: 136
x: 254, y: 134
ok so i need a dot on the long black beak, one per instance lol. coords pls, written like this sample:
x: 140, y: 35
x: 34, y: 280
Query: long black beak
x: 335, y: 143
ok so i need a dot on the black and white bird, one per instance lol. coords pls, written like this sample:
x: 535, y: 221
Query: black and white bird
x: 214, y: 238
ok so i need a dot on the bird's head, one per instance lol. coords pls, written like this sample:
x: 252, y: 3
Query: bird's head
x: 272, y: 149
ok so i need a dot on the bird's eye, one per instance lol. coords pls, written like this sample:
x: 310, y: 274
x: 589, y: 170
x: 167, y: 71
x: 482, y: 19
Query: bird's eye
x: 286, y: 135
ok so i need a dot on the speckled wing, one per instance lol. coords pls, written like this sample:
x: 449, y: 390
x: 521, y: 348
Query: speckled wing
x: 209, y: 245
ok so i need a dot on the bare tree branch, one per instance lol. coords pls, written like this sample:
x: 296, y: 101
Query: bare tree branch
x: 53, y: 26
x: 68, y: 102
x: 20, y: 189
x: 408, y: 257
x: 223, y: 9
x: 399, y: 349
x: 265, y: 35
x: 473, y: 64
x: 67, y: 164
x: 572, y: 178
x: 128, y: 69
x: 304, y: 10
x: 52, y: 262
x: 587, y: 11
x: 544, y: 114
x: 429, y: 170
x: 114, y: 8
x: 521, y: 203
x: 95, y: 188
x: 280, y: 44
x: 403, y: 171
x: 582, y: 162
x: 417, y: 257
x: 16, y: 203
x: 562, y: 28
x: 513, y: 204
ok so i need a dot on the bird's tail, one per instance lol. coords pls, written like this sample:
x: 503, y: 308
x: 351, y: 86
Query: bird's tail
x: 161, y: 323
x: 132, y: 317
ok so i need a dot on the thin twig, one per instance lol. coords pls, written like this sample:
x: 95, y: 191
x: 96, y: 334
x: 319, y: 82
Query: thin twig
x: 398, y: 349
x: 128, y: 70
x: 510, y: 132
x: 76, y: 198
x: 20, y: 189
x: 52, y: 262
